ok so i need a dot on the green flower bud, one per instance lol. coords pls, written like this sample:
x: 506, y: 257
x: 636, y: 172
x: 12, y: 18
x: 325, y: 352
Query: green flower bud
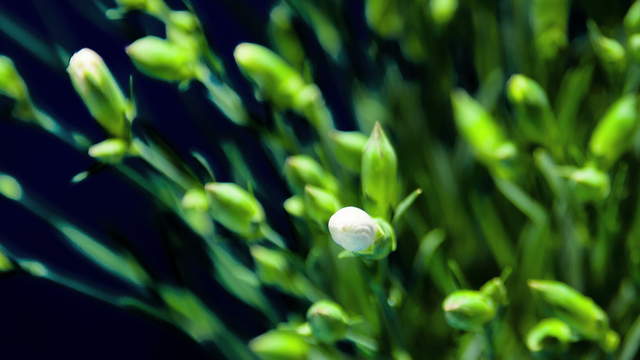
x: 328, y: 321
x: 12, y: 86
x: 275, y: 268
x: 357, y: 232
x: 383, y: 16
x: 496, y: 291
x: 522, y: 90
x: 184, y: 21
x: 10, y: 187
x: 200, y: 221
x: 442, y: 11
x: 157, y: 8
x: 632, y: 19
x: 550, y: 336
x: 633, y: 44
x: 295, y: 206
x: 549, y: 22
x: 110, y: 150
x: 589, y: 184
x: 236, y: 209
x: 11, y: 83
x: 276, y: 80
x: 348, y: 147
x: 302, y: 170
x: 183, y: 28
x: 468, y: 310
x: 609, y: 51
x: 280, y: 345
x: 195, y: 199
x: 614, y: 133
x: 413, y: 47
x: 5, y: 263
x: 100, y: 92
x: 481, y: 131
x: 284, y: 36
x: 163, y: 59
x: 384, y: 242
x: 34, y: 268
x: 578, y: 311
x: 319, y: 205
x: 311, y: 105
x: 379, y: 173
x: 610, y: 342
x: 132, y: 4
x: 531, y: 106
x: 272, y: 266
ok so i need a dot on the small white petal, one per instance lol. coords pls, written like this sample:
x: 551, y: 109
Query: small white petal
x: 84, y: 62
x: 352, y: 228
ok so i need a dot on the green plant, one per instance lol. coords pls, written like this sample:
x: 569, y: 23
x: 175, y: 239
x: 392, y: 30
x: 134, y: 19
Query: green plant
x: 485, y: 147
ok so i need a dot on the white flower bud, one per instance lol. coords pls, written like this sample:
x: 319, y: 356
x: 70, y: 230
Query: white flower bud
x: 353, y: 229
x: 100, y: 92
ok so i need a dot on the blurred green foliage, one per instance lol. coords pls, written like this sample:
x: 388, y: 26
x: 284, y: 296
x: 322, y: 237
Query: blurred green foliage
x: 478, y: 200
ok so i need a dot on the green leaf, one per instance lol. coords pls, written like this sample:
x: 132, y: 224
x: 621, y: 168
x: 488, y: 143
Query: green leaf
x: 573, y: 90
x: 345, y: 254
x: 405, y: 204
x: 5, y: 261
x: 491, y: 89
x: 239, y: 280
x: 80, y: 177
x: 241, y: 171
x: 201, y: 324
x: 119, y: 264
x: 167, y: 163
x: 493, y: 230
x: 10, y: 187
x: 24, y: 37
x: 228, y: 101
x: 550, y: 171
x: 429, y: 244
x: 631, y: 342
x: 520, y: 199
x: 203, y: 161
x: 457, y: 273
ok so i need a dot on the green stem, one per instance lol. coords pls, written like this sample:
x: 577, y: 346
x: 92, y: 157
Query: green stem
x: 377, y: 277
x: 37, y: 269
x: 490, y: 347
x: 224, y: 97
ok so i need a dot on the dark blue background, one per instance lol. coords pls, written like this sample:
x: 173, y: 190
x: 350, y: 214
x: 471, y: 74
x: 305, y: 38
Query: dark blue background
x: 39, y: 319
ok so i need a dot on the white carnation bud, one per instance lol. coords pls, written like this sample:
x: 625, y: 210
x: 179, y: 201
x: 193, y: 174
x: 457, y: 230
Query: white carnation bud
x: 353, y: 229
x: 100, y: 92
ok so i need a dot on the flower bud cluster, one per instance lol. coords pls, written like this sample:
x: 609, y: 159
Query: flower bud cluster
x: 275, y: 79
x: 176, y: 57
